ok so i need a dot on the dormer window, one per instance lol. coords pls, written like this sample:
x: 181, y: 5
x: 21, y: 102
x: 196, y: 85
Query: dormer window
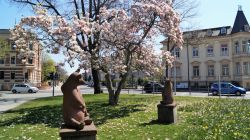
x: 209, y: 32
x: 194, y: 34
x: 13, y: 46
x: 223, y: 30
x: 246, y: 28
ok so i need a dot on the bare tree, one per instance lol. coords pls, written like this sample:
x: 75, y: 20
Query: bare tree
x: 187, y: 10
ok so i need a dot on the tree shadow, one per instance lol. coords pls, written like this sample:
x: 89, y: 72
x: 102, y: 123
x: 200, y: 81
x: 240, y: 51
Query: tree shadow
x: 52, y: 115
x: 101, y: 112
x: 153, y: 122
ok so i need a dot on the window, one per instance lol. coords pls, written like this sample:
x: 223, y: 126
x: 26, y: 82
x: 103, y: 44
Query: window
x: 237, y: 47
x: 209, y: 32
x: 225, y: 70
x: 246, y: 28
x: 13, y: 60
x: 1, y: 74
x: 31, y: 46
x: 237, y: 70
x: 12, y: 75
x: 13, y: 46
x: 195, y: 52
x: 223, y: 30
x: 224, y: 85
x: 178, y: 71
x: 248, y: 46
x: 196, y: 71
x: 1, y: 60
x: 224, y: 50
x: 210, y: 71
x: 210, y: 51
x: 26, y: 75
x: 246, y: 68
x: 176, y: 52
x: 244, y: 46
x: 30, y: 61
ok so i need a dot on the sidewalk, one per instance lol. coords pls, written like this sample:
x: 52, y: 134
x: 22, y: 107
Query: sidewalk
x: 8, y: 103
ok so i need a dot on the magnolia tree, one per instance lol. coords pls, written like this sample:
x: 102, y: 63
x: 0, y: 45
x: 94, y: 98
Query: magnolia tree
x: 123, y: 38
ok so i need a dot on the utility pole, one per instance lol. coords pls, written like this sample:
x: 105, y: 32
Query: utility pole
x: 189, y: 87
x: 175, y: 72
x: 219, y: 85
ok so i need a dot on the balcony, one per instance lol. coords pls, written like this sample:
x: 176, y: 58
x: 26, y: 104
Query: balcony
x: 241, y: 54
x: 211, y: 77
x: 196, y: 77
x: 178, y: 77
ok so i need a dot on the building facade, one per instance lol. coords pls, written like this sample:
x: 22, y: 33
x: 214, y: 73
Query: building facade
x: 212, y: 55
x: 14, y: 70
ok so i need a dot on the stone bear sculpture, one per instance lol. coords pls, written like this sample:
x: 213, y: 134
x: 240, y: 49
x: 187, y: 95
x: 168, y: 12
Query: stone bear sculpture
x: 167, y: 94
x: 74, y: 110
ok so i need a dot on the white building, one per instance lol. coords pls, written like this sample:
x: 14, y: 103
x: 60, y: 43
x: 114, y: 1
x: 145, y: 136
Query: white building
x: 214, y: 54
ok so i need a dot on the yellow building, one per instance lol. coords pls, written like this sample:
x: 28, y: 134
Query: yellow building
x: 212, y: 55
x: 14, y: 70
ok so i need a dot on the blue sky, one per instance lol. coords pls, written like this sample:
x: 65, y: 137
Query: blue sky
x: 210, y: 14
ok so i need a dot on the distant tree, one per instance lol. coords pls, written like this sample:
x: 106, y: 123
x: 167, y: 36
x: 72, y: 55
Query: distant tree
x: 63, y: 75
x: 48, y: 66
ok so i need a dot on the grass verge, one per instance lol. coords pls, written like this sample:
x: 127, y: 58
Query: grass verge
x: 134, y: 119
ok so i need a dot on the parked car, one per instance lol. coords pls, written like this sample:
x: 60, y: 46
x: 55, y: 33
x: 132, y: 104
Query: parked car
x: 24, y: 88
x: 227, y: 88
x: 153, y: 87
x: 90, y: 84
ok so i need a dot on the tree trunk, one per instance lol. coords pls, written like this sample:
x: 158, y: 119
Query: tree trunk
x: 114, y: 95
x: 110, y: 88
x: 96, y: 80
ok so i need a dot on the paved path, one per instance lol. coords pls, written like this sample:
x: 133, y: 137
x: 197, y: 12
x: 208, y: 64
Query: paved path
x: 9, y: 100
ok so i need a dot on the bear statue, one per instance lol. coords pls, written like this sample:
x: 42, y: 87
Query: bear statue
x: 75, y: 114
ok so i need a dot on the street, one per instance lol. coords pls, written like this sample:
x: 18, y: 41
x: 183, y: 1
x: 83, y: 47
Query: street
x: 9, y: 100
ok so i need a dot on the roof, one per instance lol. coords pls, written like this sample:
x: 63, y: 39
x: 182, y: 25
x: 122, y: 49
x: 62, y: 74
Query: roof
x: 4, y: 31
x: 240, y: 22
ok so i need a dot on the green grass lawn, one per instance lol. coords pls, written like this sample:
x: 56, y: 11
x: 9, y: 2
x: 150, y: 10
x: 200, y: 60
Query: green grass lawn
x: 134, y: 119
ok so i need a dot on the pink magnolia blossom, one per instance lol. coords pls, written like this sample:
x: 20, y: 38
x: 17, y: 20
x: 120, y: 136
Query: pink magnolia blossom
x: 122, y: 38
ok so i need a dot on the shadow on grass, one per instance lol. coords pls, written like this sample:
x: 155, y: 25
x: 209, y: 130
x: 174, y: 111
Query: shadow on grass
x: 154, y: 122
x: 52, y: 115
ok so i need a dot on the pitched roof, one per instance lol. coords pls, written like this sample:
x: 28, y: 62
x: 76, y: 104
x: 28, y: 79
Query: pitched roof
x: 4, y: 31
x: 240, y: 22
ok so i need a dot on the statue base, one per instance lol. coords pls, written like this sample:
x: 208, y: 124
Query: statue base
x: 87, y: 133
x: 167, y: 113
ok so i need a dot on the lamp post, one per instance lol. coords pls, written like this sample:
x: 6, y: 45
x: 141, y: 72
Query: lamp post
x: 54, y: 77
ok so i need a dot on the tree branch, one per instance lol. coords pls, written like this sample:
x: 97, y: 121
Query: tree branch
x: 77, y: 10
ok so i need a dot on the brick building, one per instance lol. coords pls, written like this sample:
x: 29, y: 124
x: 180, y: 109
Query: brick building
x: 14, y: 70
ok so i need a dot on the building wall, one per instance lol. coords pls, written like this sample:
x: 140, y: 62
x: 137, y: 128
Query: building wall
x: 24, y: 72
x: 203, y: 60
